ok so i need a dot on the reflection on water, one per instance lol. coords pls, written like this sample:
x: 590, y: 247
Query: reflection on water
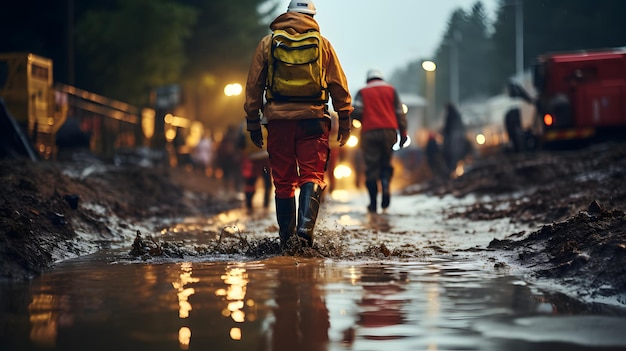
x: 353, y: 299
x: 184, y: 307
x: 236, y: 279
x: 290, y: 303
x: 43, y: 320
x: 301, y: 319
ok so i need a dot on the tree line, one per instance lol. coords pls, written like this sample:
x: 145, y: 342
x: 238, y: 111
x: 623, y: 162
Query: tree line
x: 486, y: 48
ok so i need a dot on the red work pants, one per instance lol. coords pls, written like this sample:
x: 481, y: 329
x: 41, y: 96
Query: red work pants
x: 298, y: 152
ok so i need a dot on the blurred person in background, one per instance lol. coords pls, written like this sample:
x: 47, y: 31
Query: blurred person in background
x: 228, y: 159
x: 382, y: 117
x: 298, y: 126
x: 255, y: 164
x: 433, y: 156
x: 202, y: 154
x: 455, y: 144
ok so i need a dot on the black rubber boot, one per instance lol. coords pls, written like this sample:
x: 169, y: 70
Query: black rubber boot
x: 372, y: 189
x: 286, y: 217
x: 309, y: 205
x: 385, y: 180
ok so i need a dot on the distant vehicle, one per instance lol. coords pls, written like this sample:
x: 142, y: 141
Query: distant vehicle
x: 26, y: 85
x: 580, y: 97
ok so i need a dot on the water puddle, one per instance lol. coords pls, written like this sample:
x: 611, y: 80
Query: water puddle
x: 426, y: 292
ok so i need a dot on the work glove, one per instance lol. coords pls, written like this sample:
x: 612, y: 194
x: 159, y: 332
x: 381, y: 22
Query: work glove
x: 403, y: 139
x: 257, y: 137
x: 343, y: 134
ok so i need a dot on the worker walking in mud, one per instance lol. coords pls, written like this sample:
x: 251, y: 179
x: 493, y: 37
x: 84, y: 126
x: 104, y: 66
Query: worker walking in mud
x: 299, y: 122
x: 382, y: 117
x: 455, y: 143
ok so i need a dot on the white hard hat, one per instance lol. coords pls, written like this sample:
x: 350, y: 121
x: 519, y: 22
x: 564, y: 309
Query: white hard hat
x: 302, y: 6
x: 374, y: 74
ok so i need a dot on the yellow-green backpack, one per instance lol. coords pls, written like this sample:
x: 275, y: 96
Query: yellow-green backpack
x: 295, y: 71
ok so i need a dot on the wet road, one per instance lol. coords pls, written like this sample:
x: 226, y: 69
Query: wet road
x: 438, y: 293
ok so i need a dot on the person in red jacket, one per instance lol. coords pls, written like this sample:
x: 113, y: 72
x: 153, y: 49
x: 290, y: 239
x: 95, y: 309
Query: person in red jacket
x: 298, y: 129
x: 382, y: 117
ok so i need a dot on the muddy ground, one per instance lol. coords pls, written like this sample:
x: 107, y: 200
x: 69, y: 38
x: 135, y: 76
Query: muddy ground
x: 577, y: 197
x: 41, y: 224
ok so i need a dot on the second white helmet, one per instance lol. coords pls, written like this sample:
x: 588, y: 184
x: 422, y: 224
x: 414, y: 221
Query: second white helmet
x: 302, y: 6
x: 374, y: 74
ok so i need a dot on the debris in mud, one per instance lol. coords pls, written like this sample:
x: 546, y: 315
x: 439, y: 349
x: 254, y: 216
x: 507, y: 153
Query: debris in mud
x: 231, y: 241
x: 226, y: 243
x: 586, y: 252
x: 145, y: 248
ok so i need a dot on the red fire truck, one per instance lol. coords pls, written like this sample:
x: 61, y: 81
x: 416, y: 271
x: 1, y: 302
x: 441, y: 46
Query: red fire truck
x: 581, y: 95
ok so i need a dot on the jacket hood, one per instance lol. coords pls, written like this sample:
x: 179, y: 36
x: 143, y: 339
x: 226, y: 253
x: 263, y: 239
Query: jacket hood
x: 295, y: 22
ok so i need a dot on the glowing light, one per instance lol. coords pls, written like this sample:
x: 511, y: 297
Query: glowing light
x: 168, y: 118
x: 460, y: 169
x: 233, y: 89
x: 235, y: 333
x: 352, y: 141
x: 170, y: 134
x: 548, y: 120
x: 235, y: 305
x: 43, y: 323
x: 342, y: 171
x: 184, y: 337
x: 195, y: 133
x: 480, y: 139
x: 238, y: 316
x: 147, y: 122
x: 405, y: 108
x: 177, y: 121
x: 184, y: 307
x: 237, y: 279
x: 340, y: 195
x: 354, y: 276
x: 429, y: 66
x: 356, y: 123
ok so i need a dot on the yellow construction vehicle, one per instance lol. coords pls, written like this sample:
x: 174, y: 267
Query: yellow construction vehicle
x: 26, y: 86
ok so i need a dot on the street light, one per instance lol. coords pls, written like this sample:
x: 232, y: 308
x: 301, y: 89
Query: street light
x: 233, y: 89
x: 430, y: 67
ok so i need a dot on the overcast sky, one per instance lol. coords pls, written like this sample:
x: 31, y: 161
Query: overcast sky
x: 385, y: 34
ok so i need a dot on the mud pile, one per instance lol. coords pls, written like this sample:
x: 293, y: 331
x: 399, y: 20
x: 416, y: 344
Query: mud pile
x: 577, y: 196
x: 586, y: 253
x: 44, y: 205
